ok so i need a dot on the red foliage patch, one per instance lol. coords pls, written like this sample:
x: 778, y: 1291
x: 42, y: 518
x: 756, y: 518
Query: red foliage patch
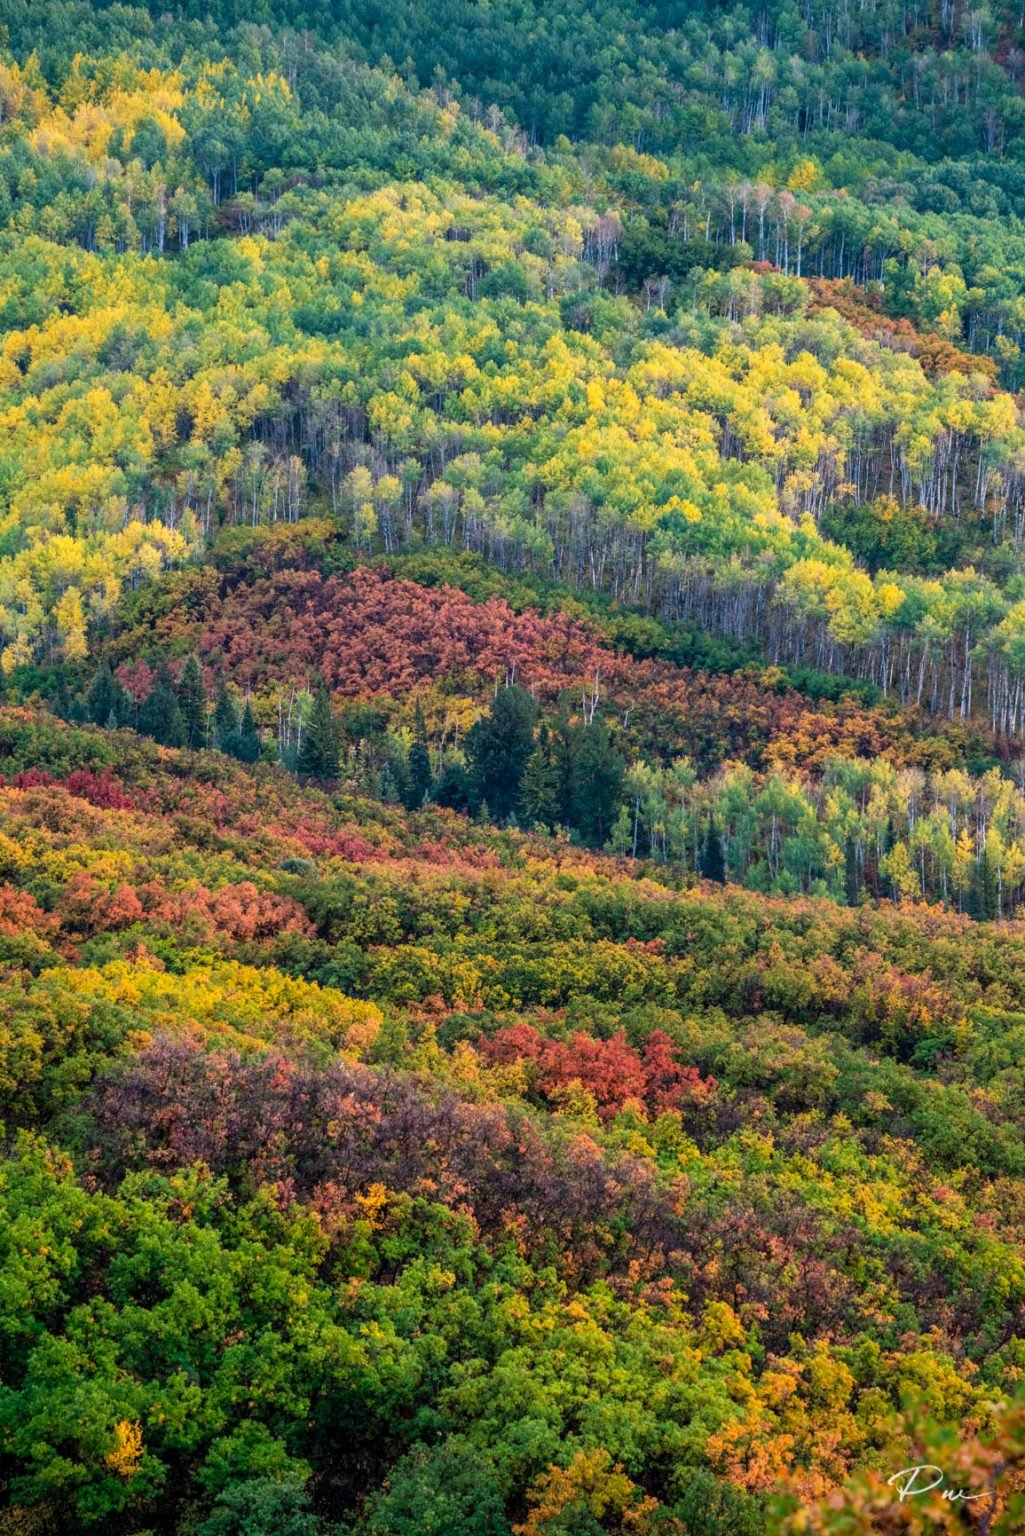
x: 610, y: 1070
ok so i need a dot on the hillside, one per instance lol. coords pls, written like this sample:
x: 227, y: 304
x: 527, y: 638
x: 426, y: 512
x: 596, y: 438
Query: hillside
x: 512, y: 768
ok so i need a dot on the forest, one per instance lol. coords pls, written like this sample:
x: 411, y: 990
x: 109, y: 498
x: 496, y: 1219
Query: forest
x: 512, y: 768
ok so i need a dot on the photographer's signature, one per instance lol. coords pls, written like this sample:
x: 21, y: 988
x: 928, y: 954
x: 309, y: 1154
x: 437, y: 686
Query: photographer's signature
x: 911, y: 1481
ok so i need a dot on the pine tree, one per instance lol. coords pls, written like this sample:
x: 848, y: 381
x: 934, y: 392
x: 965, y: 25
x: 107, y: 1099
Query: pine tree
x: 391, y: 788
x: 247, y: 740
x: 597, y: 780
x: 454, y: 788
x: 60, y: 702
x: 713, y: 865
x: 420, y: 775
x: 852, y: 882
x: 105, y: 696
x: 192, y: 702
x: 226, y: 721
x: 498, y: 747
x: 160, y: 715
x: 565, y: 742
x: 539, y: 789
x: 318, y: 756
x: 982, y: 895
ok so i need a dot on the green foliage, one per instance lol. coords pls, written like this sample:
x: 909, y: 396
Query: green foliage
x: 378, y: 1172
x: 226, y: 717
x: 420, y: 775
x: 262, y: 1507
x: 448, y: 1488
x: 318, y: 753
x: 596, y: 781
x: 247, y: 747
x: 499, y: 747
x: 539, y: 797
x: 192, y: 702
x: 106, y: 699
x: 160, y: 714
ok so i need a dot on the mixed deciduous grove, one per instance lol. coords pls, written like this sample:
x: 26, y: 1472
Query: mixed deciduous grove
x: 512, y: 768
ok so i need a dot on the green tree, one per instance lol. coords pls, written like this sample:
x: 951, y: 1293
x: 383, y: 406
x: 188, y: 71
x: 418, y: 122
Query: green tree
x: 106, y: 697
x: 454, y: 788
x: 60, y: 699
x: 192, y: 702
x: 160, y: 715
x: 247, y: 748
x: 713, y: 864
x: 597, y: 779
x: 318, y: 755
x: 565, y: 741
x: 983, y: 893
x: 498, y: 747
x: 226, y: 719
x: 262, y: 1506
x: 419, y: 764
x: 539, y: 788
x: 450, y: 1489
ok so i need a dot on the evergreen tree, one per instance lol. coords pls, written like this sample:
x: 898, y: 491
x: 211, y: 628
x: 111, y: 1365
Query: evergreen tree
x: 192, y: 702
x: 539, y: 789
x: 713, y: 865
x: 420, y: 775
x: 597, y: 780
x: 391, y: 785
x: 318, y: 755
x: 160, y: 715
x: 247, y: 740
x: 454, y: 788
x: 60, y: 701
x: 226, y: 721
x: 982, y: 895
x: 106, y: 697
x: 565, y: 741
x: 498, y: 747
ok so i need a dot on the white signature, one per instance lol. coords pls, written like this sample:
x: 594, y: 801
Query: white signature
x: 910, y: 1481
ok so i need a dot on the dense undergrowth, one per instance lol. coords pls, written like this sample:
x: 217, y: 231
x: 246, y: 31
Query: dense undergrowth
x: 512, y: 997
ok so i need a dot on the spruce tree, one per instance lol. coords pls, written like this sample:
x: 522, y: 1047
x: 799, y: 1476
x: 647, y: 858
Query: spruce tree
x: 390, y: 787
x: 852, y: 881
x: 982, y: 895
x: 597, y: 780
x: 192, y: 702
x: 454, y: 788
x: 420, y: 775
x: 565, y: 742
x: 318, y: 755
x: 539, y: 797
x: 498, y: 747
x: 713, y: 865
x: 105, y: 696
x: 247, y: 739
x: 60, y: 701
x: 160, y: 715
x: 226, y: 720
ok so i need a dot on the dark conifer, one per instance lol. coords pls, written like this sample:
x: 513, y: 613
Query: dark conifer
x: 160, y: 715
x: 318, y: 755
x: 192, y: 702
x: 420, y: 775
x: 539, y: 798
x: 498, y: 747
x: 597, y: 780
x: 226, y: 721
